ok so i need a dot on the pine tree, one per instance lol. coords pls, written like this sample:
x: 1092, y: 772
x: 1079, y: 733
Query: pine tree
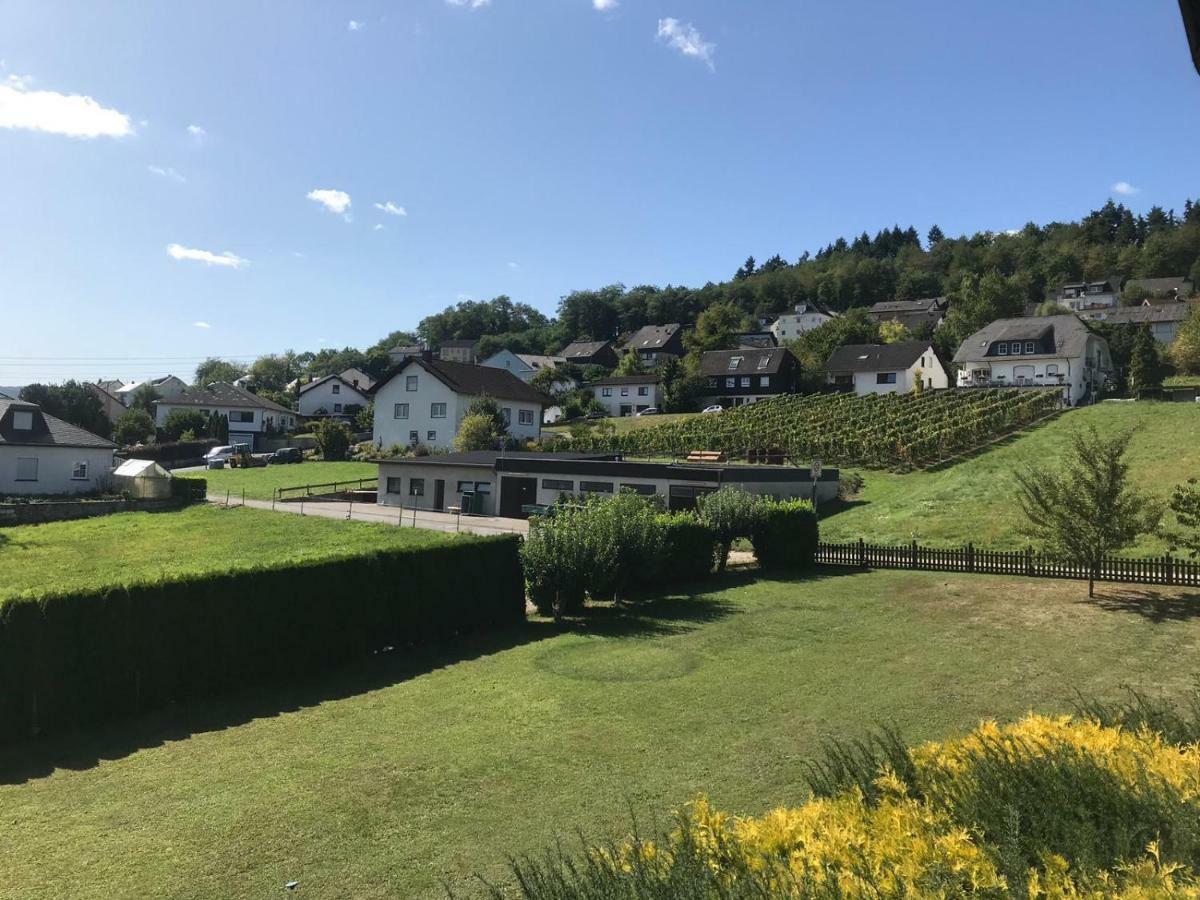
x: 935, y: 236
x: 1145, y: 366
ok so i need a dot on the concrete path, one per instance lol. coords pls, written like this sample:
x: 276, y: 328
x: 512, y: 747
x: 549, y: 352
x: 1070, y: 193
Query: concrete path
x: 388, y: 515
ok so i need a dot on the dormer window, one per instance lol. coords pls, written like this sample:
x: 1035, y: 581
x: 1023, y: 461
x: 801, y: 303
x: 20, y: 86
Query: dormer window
x: 1029, y: 347
x: 734, y: 362
x: 22, y: 420
x: 1002, y: 349
x: 764, y: 361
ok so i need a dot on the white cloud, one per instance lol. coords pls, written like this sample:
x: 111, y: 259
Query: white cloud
x: 74, y: 115
x: 1124, y: 188
x: 354, y: 25
x: 474, y: 4
x: 226, y: 259
x: 391, y: 209
x: 334, y: 201
x: 196, y: 131
x: 204, y: 325
x: 687, y: 40
x: 513, y: 265
x: 378, y: 227
x: 603, y: 5
x: 167, y: 172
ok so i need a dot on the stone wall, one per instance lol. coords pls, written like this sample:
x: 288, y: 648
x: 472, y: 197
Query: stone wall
x: 38, y: 512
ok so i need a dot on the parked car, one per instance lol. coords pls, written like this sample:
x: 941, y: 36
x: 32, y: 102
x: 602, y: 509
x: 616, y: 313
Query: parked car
x: 715, y: 408
x: 597, y: 414
x: 286, y: 455
x: 217, y: 457
x: 649, y: 411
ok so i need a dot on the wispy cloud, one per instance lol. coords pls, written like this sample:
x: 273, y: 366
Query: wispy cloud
x: 167, y: 172
x: 687, y: 40
x: 334, y: 201
x: 73, y: 115
x: 378, y: 227
x: 203, y: 325
x: 474, y: 4
x: 226, y: 259
x: 513, y: 265
x: 391, y: 208
x: 196, y: 131
x: 603, y: 5
x: 1125, y: 189
x: 355, y: 25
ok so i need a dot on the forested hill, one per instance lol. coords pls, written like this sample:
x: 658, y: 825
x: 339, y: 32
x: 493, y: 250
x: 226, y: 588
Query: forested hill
x: 894, y: 264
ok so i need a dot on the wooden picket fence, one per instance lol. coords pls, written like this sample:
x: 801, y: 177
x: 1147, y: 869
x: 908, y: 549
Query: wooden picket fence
x: 1142, y: 570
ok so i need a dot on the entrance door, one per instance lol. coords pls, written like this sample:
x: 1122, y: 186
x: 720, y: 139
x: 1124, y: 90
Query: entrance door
x: 439, y: 494
x: 515, y: 493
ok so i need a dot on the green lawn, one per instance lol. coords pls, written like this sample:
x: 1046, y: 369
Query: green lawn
x: 975, y: 499
x: 383, y: 779
x: 260, y: 483
x: 129, y: 546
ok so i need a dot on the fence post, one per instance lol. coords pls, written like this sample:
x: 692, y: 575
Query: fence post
x: 350, y: 511
x: 243, y: 496
x: 971, y: 556
x: 1029, y: 560
x: 914, y: 554
x: 862, y: 554
x: 1170, y: 568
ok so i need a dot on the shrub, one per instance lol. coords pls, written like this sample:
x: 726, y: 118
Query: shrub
x: 180, y: 420
x: 171, y: 451
x: 732, y: 513
x: 689, y: 549
x: 133, y: 427
x: 850, y: 485
x: 94, y: 655
x: 785, y: 536
x: 333, y: 439
x: 561, y: 557
x: 476, y: 432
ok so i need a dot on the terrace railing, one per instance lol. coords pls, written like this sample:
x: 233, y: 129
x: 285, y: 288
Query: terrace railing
x: 1167, y: 569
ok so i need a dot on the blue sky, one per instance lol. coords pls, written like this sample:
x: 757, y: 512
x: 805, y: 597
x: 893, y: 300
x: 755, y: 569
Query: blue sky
x: 534, y: 146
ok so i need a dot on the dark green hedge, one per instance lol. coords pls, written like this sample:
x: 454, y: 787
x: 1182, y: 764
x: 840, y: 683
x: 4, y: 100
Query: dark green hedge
x: 786, y: 535
x: 689, y: 549
x: 83, y: 658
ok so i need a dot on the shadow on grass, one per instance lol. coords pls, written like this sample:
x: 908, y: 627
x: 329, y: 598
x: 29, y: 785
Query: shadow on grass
x: 1153, y: 605
x: 831, y: 508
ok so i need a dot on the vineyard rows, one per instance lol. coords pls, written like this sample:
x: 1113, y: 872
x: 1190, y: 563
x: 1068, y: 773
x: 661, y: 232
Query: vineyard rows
x: 880, y: 431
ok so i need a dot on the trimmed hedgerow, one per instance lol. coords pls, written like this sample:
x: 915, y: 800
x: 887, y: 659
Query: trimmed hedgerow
x: 689, y: 549
x: 785, y: 535
x: 81, y: 658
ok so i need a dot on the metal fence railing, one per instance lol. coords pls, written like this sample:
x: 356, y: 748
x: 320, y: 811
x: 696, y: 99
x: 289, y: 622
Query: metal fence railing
x: 327, y: 489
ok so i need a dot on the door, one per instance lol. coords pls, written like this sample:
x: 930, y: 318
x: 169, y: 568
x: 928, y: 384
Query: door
x: 439, y: 494
x: 515, y: 493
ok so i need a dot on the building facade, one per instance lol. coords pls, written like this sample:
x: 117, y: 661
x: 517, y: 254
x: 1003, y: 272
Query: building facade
x: 591, y: 353
x: 654, y: 343
x: 459, y: 351
x: 628, y: 395
x: 251, y: 418
x: 737, y: 377
x: 1163, y: 319
x: 886, y: 368
x: 803, y: 318
x: 1081, y: 295
x: 43, y: 455
x: 332, y: 396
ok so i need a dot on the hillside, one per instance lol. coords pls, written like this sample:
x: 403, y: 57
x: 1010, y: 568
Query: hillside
x: 975, y: 500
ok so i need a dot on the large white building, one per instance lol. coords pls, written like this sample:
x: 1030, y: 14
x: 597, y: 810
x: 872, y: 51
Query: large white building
x: 43, y: 455
x: 805, y: 317
x: 423, y: 401
x: 1041, y: 351
x: 1082, y: 295
x: 886, y: 368
x: 251, y: 418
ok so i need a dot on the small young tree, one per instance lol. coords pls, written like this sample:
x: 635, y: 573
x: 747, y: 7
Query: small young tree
x: 630, y: 364
x: 179, y: 421
x: 476, y: 432
x: 333, y: 439
x: 1088, y: 509
x: 1185, y: 504
x: 1185, y: 351
x: 628, y: 525
x: 144, y: 399
x: 732, y: 513
x: 1145, y: 364
x: 134, y: 426
x: 487, y: 406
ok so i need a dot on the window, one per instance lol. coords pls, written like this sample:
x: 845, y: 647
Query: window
x: 764, y: 361
x: 337, y: 389
x: 606, y: 392
x: 431, y: 436
x: 27, y: 468
x: 1002, y: 349
x: 465, y: 486
x: 1029, y: 348
x: 483, y: 487
x: 643, y: 391
x: 596, y: 487
x: 525, y: 416
x: 734, y: 362
x: 393, y: 486
x: 400, y: 411
x: 624, y: 392
x: 557, y: 484
x: 437, y: 410
x: 22, y: 420
x: 1052, y: 369
x: 337, y: 407
x: 1016, y: 349
x: 506, y: 415
x: 79, y: 471
x: 764, y: 381
x: 730, y: 382
x: 712, y: 382
x: 416, y: 487
x: 646, y: 490
x: 242, y: 415
x: 745, y: 381
x: 885, y: 377
x: 414, y: 437
x: 410, y: 382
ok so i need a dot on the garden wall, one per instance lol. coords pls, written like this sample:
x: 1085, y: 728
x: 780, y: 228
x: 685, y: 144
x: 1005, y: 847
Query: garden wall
x: 39, y: 512
x: 77, y: 659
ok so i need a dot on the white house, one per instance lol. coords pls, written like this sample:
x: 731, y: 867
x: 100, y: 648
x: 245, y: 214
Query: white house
x: 166, y: 386
x: 331, y: 395
x: 523, y: 365
x: 1048, y: 351
x: 41, y: 454
x: 886, y: 368
x: 625, y: 395
x: 251, y: 418
x: 805, y: 317
x: 423, y: 400
x: 1081, y: 295
x: 1163, y: 319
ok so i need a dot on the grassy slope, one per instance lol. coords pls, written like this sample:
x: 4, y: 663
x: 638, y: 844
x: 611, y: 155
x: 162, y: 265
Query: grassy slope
x: 129, y: 546
x: 631, y: 423
x: 975, y: 500
x: 385, y: 779
x: 260, y: 484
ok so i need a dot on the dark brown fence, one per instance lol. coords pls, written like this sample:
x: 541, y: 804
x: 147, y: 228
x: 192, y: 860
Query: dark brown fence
x: 1143, y: 570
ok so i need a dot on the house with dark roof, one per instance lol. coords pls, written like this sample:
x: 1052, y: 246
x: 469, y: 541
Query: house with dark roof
x: 1042, y: 351
x: 43, y: 455
x: 1163, y: 319
x: 423, y: 400
x: 1081, y: 295
x: 654, y: 343
x: 591, y: 353
x: 164, y: 386
x: 737, y: 377
x: 523, y: 365
x: 251, y: 418
x: 628, y: 395
x: 922, y: 315
x: 339, y: 396
x: 886, y: 368
x: 460, y: 351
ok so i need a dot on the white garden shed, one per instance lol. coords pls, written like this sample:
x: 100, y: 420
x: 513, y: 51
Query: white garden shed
x: 142, y: 479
